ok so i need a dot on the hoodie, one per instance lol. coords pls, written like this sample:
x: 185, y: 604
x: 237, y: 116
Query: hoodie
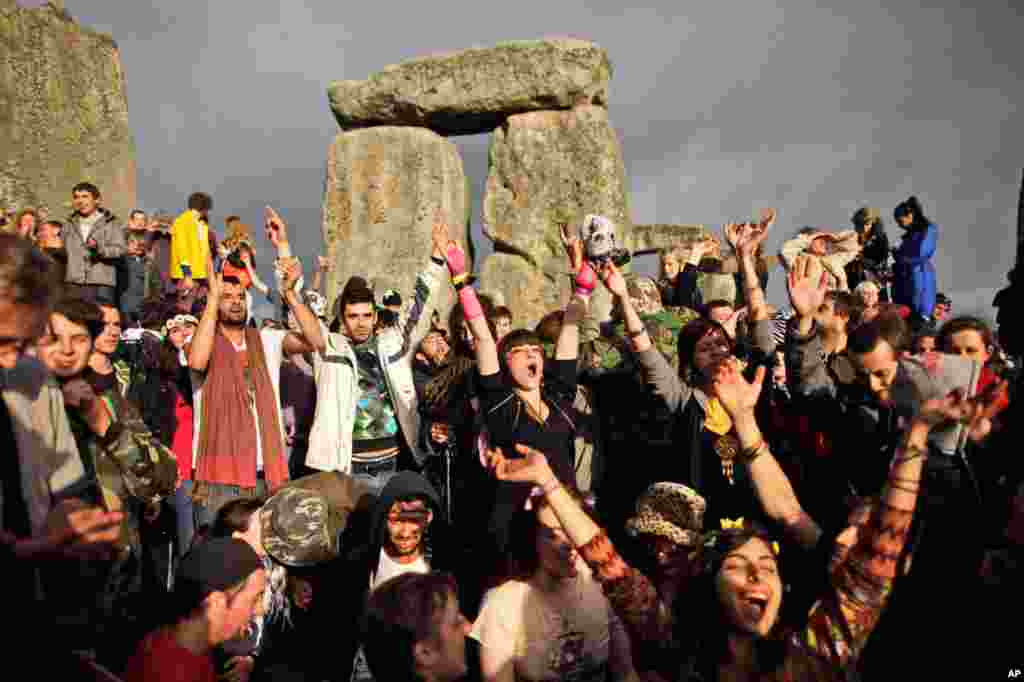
x: 362, y: 562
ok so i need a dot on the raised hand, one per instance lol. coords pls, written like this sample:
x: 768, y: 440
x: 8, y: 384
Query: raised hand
x: 291, y: 272
x: 768, y: 216
x: 277, y: 229
x: 613, y: 280
x: 531, y: 468
x: 737, y: 395
x: 440, y: 235
x: 732, y: 233
x: 573, y: 246
x: 806, y: 293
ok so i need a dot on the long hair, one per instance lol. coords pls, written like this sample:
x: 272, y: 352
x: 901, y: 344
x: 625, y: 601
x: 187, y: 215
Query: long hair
x: 912, y: 207
x: 440, y: 391
x: 701, y: 624
x: 522, y: 559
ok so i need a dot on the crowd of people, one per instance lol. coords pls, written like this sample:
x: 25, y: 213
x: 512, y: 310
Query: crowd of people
x: 705, y: 486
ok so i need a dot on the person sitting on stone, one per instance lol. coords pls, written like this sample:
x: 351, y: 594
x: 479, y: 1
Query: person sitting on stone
x: 828, y: 253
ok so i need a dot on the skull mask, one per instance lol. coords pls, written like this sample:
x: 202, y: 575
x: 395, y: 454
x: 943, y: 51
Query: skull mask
x: 598, y: 236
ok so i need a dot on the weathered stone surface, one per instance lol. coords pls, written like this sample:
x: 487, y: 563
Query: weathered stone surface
x: 472, y: 91
x: 63, y: 112
x: 647, y: 238
x: 548, y: 168
x: 384, y: 187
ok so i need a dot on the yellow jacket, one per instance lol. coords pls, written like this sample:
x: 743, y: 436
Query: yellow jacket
x: 190, y: 245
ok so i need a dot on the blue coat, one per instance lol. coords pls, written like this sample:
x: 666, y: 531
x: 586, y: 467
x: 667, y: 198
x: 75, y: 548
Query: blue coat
x: 914, y: 282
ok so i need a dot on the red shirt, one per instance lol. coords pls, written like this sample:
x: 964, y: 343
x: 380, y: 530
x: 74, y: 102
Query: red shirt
x: 160, y: 658
x: 181, y: 445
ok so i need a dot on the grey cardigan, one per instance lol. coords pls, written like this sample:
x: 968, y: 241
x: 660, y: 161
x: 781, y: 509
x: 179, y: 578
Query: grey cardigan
x: 100, y: 269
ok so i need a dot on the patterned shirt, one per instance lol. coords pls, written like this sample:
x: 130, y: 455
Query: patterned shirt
x: 375, y: 413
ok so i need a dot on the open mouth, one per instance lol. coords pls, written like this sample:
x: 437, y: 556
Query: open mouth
x: 533, y: 369
x: 753, y: 606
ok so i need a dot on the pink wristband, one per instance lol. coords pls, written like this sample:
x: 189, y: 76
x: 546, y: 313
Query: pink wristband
x: 586, y: 281
x: 470, y: 303
x: 456, y: 261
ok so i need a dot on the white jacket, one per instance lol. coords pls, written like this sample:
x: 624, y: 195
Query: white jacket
x: 337, y: 380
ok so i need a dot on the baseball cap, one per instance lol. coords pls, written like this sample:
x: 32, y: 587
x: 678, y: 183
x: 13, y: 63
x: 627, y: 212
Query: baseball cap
x: 216, y: 565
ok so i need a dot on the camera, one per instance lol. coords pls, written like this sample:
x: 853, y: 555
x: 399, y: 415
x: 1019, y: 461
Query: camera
x: 600, y: 243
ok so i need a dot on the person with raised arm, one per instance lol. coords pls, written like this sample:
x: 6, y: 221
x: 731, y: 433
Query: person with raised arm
x: 520, y: 402
x: 728, y: 624
x: 706, y: 439
x: 239, y: 441
x: 367, y: 419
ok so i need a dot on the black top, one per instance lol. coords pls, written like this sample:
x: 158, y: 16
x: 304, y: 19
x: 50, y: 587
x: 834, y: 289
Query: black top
x: 509, y: 423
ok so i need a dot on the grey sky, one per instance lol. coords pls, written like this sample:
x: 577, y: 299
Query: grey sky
x: 721, y: 108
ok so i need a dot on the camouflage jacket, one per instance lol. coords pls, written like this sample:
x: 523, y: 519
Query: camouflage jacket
x: 130, y: 466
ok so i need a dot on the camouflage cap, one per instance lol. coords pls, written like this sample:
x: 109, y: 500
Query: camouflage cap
x: 298, y: 529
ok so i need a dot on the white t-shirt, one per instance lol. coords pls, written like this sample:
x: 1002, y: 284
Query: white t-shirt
x: 86, y: 225
x: 273, y: 350
x: 388, y: 568
x: 571, y: 634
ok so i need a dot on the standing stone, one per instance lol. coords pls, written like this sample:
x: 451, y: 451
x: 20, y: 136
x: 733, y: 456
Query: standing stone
x: 472, y: 91
x: 63, y: 113
x: 548, y: 168
x: 384, y: 187
x: 660, y: 237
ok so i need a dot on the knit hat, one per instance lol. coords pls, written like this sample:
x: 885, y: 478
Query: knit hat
x: 298, y: 528
x: 669, y: 510
x: 214, y: 566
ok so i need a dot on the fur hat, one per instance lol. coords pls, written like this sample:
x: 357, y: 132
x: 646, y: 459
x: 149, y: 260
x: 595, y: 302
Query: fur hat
x: 671, y: 511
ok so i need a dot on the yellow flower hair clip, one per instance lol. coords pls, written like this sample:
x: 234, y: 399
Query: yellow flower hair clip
x: 732, y: 524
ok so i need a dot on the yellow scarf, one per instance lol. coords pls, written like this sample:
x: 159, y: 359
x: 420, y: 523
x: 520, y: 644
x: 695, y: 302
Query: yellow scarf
x: 716, y: 419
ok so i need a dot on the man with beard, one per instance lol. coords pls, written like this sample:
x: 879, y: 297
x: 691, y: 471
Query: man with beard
x: 407, y: 507
x: 239, y: 445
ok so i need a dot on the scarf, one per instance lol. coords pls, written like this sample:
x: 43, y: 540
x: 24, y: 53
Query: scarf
x: 227, y: 430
